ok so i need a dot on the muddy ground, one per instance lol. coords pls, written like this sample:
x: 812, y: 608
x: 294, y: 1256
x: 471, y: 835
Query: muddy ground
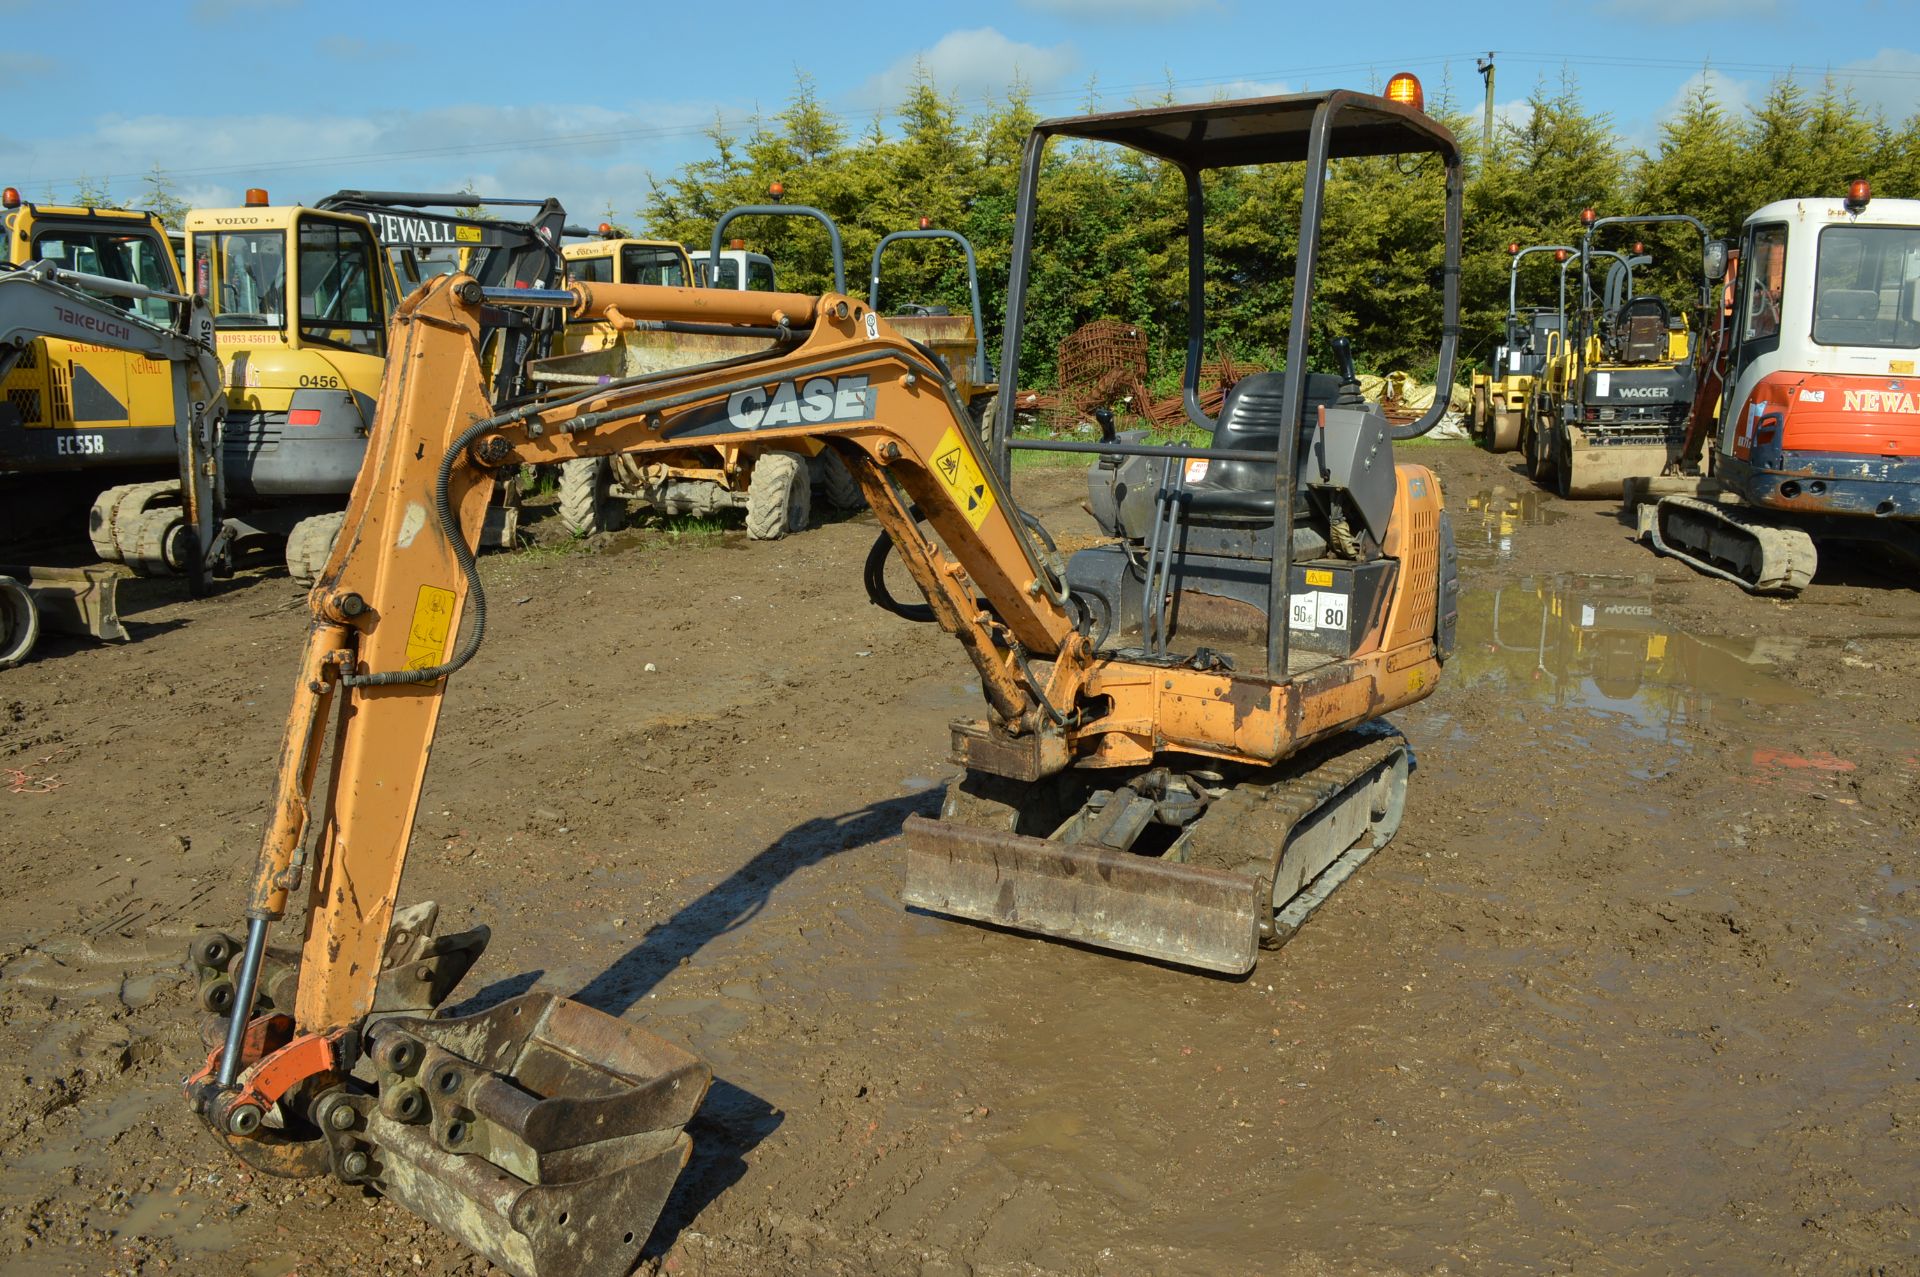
x: 1633, y: 990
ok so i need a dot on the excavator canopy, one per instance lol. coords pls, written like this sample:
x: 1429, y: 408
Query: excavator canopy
x: 1274, y: 130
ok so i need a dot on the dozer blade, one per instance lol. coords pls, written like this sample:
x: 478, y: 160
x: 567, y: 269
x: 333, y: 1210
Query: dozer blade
x: 1179, y: 913
x: 542, y: 1133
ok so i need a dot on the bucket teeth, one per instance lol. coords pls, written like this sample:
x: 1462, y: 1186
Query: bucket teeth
x: 542, y: 1133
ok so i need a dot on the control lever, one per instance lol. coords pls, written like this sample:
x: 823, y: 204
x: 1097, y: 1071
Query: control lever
x: 1105, y: 417
x: 1343, y: 355
x: 1350, y: 396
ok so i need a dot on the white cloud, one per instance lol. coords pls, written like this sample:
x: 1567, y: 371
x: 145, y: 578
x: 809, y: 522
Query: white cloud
x: 973, y: 66
x: 1233, y: 90
x: 1125, y: 10
x: 1513, y: 114
x: 16, y: 64
x: 586, y: 155
x: 1733, y: 95
x: 1888, y: 81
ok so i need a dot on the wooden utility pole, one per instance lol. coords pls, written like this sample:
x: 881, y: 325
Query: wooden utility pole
x: 1485, y: 66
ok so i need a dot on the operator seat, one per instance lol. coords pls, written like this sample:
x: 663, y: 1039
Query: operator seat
x: 1250, y: 419
x: 1640, y: 330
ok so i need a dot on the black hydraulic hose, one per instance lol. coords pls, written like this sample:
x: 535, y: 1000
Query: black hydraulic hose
x: 1039, y: 691
x: 874, y: 574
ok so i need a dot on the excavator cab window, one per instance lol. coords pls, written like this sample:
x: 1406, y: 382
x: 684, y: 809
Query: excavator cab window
x: 1865, y: 286
x: 645, y: 264
x: 590, y: 270
x: 134, y: 257
x: 340, y: 301
x: 1765, y: 267
x: 415, y: 264
x: 243, y: 276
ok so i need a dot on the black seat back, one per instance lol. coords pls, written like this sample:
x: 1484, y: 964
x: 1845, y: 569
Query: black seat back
x: 1250, y: 419
x: 1640, y: 330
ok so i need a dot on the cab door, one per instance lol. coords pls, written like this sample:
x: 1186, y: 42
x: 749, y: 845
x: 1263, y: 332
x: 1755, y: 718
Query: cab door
x: 1756, y: 330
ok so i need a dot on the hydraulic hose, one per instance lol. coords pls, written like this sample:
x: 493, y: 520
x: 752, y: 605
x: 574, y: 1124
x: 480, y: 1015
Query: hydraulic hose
x: 874, y: 576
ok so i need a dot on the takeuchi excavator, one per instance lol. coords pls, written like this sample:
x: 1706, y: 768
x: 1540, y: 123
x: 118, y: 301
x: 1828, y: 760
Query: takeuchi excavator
x: 1811, y: 397
x: 1182, y: 749
x: 43, y: 307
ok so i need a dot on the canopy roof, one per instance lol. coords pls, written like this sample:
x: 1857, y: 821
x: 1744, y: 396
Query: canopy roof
x: 1261, y: 130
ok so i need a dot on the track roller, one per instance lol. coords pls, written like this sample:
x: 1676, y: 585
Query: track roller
x: 1503, y: 434
x: 19, y: 622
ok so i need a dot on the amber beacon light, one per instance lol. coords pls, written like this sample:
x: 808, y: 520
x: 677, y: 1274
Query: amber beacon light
x: 1405, y: 89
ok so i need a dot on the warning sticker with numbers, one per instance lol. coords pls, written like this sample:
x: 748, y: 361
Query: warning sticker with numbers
x: 432, y: 624
x: 956, y: 468
x: 1317, y: 610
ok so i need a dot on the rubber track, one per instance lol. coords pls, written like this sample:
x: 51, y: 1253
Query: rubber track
x: 1787, y: 555
x: 1259, y: 819
x: 310, y: 544
x: 116, y: 512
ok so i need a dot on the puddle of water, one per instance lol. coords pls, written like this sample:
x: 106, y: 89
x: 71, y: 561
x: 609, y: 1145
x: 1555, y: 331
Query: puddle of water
x: 1053, y: 1130
x: 1598, y: 644
x: 194, y: 1227
x: 1597, y: 647
x: 1485, y: 529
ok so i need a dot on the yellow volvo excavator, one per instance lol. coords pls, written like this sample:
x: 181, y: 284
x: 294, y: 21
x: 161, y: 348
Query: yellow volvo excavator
x: 1181, y: 750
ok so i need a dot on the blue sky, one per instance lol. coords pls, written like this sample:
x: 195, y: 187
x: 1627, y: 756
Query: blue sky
x: 304, y: 97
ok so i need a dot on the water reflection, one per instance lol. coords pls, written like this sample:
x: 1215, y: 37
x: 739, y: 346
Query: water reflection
x: 1595, y: 642
x: 1485, y: 529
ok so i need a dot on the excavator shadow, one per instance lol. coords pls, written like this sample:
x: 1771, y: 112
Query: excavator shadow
x: 737, y: 899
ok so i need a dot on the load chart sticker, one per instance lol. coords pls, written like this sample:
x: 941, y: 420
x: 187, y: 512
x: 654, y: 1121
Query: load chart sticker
x: 956, y: 468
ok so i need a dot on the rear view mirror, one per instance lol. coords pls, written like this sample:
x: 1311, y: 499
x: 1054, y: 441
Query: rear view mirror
x: 1713, y: 260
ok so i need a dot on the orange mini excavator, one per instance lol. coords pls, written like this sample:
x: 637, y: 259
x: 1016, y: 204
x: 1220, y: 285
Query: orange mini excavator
x: 1181, y: 753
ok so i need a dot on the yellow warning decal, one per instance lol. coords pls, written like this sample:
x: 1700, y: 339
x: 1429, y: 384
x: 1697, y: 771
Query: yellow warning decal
x: 1319, y: 576
x: 432, y: 626
x: 956, y: 468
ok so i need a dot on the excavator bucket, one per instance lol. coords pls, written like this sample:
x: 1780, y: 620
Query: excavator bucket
x: 542, y: 1133
x: 1191, y: 915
